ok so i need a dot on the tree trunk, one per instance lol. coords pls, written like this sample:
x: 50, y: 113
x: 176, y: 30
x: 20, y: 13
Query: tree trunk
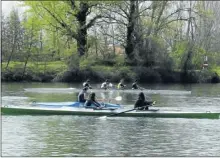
x: 25, y: 65
x: 164, y: 3
x: 113, y: 39
x: 82, y: 31
x: 154, y: 6
x: 96, y: 44
x: 191, y: 43
x: 12, y: 51
x: 129, y: 48
x: 81, y: 42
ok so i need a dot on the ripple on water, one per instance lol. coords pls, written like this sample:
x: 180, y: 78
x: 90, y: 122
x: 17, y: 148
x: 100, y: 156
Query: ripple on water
x: 87, y: 136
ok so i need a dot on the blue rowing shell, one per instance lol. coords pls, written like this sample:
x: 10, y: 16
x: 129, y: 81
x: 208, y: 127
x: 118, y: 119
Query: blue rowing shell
x: 71, y: 104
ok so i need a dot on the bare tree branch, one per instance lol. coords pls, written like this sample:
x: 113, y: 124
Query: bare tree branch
x: 124, y: 11
x: 117, y: 20
x: 92, y: 21
x: 161, y: 26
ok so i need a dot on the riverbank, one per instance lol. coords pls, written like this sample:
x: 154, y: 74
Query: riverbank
x: 57, y: 72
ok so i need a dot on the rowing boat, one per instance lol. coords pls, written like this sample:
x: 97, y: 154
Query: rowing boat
x: 71, y: 90
x: 71, y: 104
x: 31, y: 110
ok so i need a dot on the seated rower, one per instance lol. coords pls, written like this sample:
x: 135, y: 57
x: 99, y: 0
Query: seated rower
x: 121, y: 84
x: 134, y: 85
x: 86, y: 84
x: 106, y: 85
x: 141, y: 103
x: 92, y: 100
x: 81, y: 96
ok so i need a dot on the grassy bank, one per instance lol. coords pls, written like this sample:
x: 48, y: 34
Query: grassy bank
x: 35, y: 71
x: 58, y: 72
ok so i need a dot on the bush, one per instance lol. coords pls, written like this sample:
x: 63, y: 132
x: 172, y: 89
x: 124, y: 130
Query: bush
x: 76, y: 75
x: 7, y: 76
x: 122, y: 73
x: 168, y: 76
x: 215, y: 78
x: 67, y: 76
x: 144, y: 74
x: 203, y: 76
x: 86, y: 63
x: 189, y: 77
x: 106, y: 62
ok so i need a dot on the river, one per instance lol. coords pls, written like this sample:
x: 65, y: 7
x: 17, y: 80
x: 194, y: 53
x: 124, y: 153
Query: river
x: 39, y: 136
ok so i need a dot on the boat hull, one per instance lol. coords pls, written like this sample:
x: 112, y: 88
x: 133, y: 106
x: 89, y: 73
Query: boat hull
x: 111, y: 113
x: 71, y: 104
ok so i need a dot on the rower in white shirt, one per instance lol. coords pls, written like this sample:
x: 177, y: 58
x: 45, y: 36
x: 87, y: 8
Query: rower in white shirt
x: 106, y: 85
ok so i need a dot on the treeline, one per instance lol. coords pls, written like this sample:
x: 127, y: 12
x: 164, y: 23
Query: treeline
x: 172, y: 40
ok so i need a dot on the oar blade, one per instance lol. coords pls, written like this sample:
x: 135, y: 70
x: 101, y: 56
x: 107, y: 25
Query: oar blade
x: 118, y: 98
x: 102, y: 117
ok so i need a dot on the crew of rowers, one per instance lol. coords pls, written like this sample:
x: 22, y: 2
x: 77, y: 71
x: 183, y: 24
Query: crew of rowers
x: 106, y: 85
x: 140, y: 104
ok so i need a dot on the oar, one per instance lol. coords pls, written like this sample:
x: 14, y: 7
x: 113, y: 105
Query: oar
x: 141, y: 88
x: 103, y: 117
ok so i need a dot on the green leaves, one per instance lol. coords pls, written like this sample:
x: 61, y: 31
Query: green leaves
x: 177, y: 53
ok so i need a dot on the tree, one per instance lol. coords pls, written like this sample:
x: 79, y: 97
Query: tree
x: 12, y: 35
x: 71, y: 17
x: 31, y: 40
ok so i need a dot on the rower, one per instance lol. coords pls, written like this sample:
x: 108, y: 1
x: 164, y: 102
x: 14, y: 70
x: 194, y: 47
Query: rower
x: 86, y: 84
x: 106, y: 85
x: 141, y: 103
x: 92, y: 101
x: 81, y: 96
x: 134, y: 85
x: 121, y: 84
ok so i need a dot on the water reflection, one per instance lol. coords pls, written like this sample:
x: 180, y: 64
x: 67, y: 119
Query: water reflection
x: 88, y: 136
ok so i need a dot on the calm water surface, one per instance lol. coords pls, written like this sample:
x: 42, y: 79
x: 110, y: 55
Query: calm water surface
x: 89, y: 136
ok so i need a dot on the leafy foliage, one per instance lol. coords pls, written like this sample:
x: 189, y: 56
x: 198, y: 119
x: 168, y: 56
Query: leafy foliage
x: 111, y: 38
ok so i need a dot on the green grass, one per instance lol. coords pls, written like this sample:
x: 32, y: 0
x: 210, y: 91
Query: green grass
x: 54, y: 66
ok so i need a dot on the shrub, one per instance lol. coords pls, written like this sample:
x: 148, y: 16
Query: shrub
x: 167, y: 76
x: 144, y: 74
x: 215, y: 78
x: 67, y: 76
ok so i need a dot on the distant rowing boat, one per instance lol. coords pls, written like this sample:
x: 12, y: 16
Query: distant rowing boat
x: 19, y: 110
x: 71, y: 90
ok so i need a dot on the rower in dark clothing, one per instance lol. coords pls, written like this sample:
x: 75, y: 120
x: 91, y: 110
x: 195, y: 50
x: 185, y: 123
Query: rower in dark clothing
x: 134, y: 85
x: 121, y: 84
x: 141, y: 103
x: 92, y: 100
x: 81, y: 96
x: 86, y: 84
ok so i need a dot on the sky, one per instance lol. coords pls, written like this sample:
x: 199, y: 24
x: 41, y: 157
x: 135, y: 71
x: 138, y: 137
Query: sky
x: 8, y: 5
